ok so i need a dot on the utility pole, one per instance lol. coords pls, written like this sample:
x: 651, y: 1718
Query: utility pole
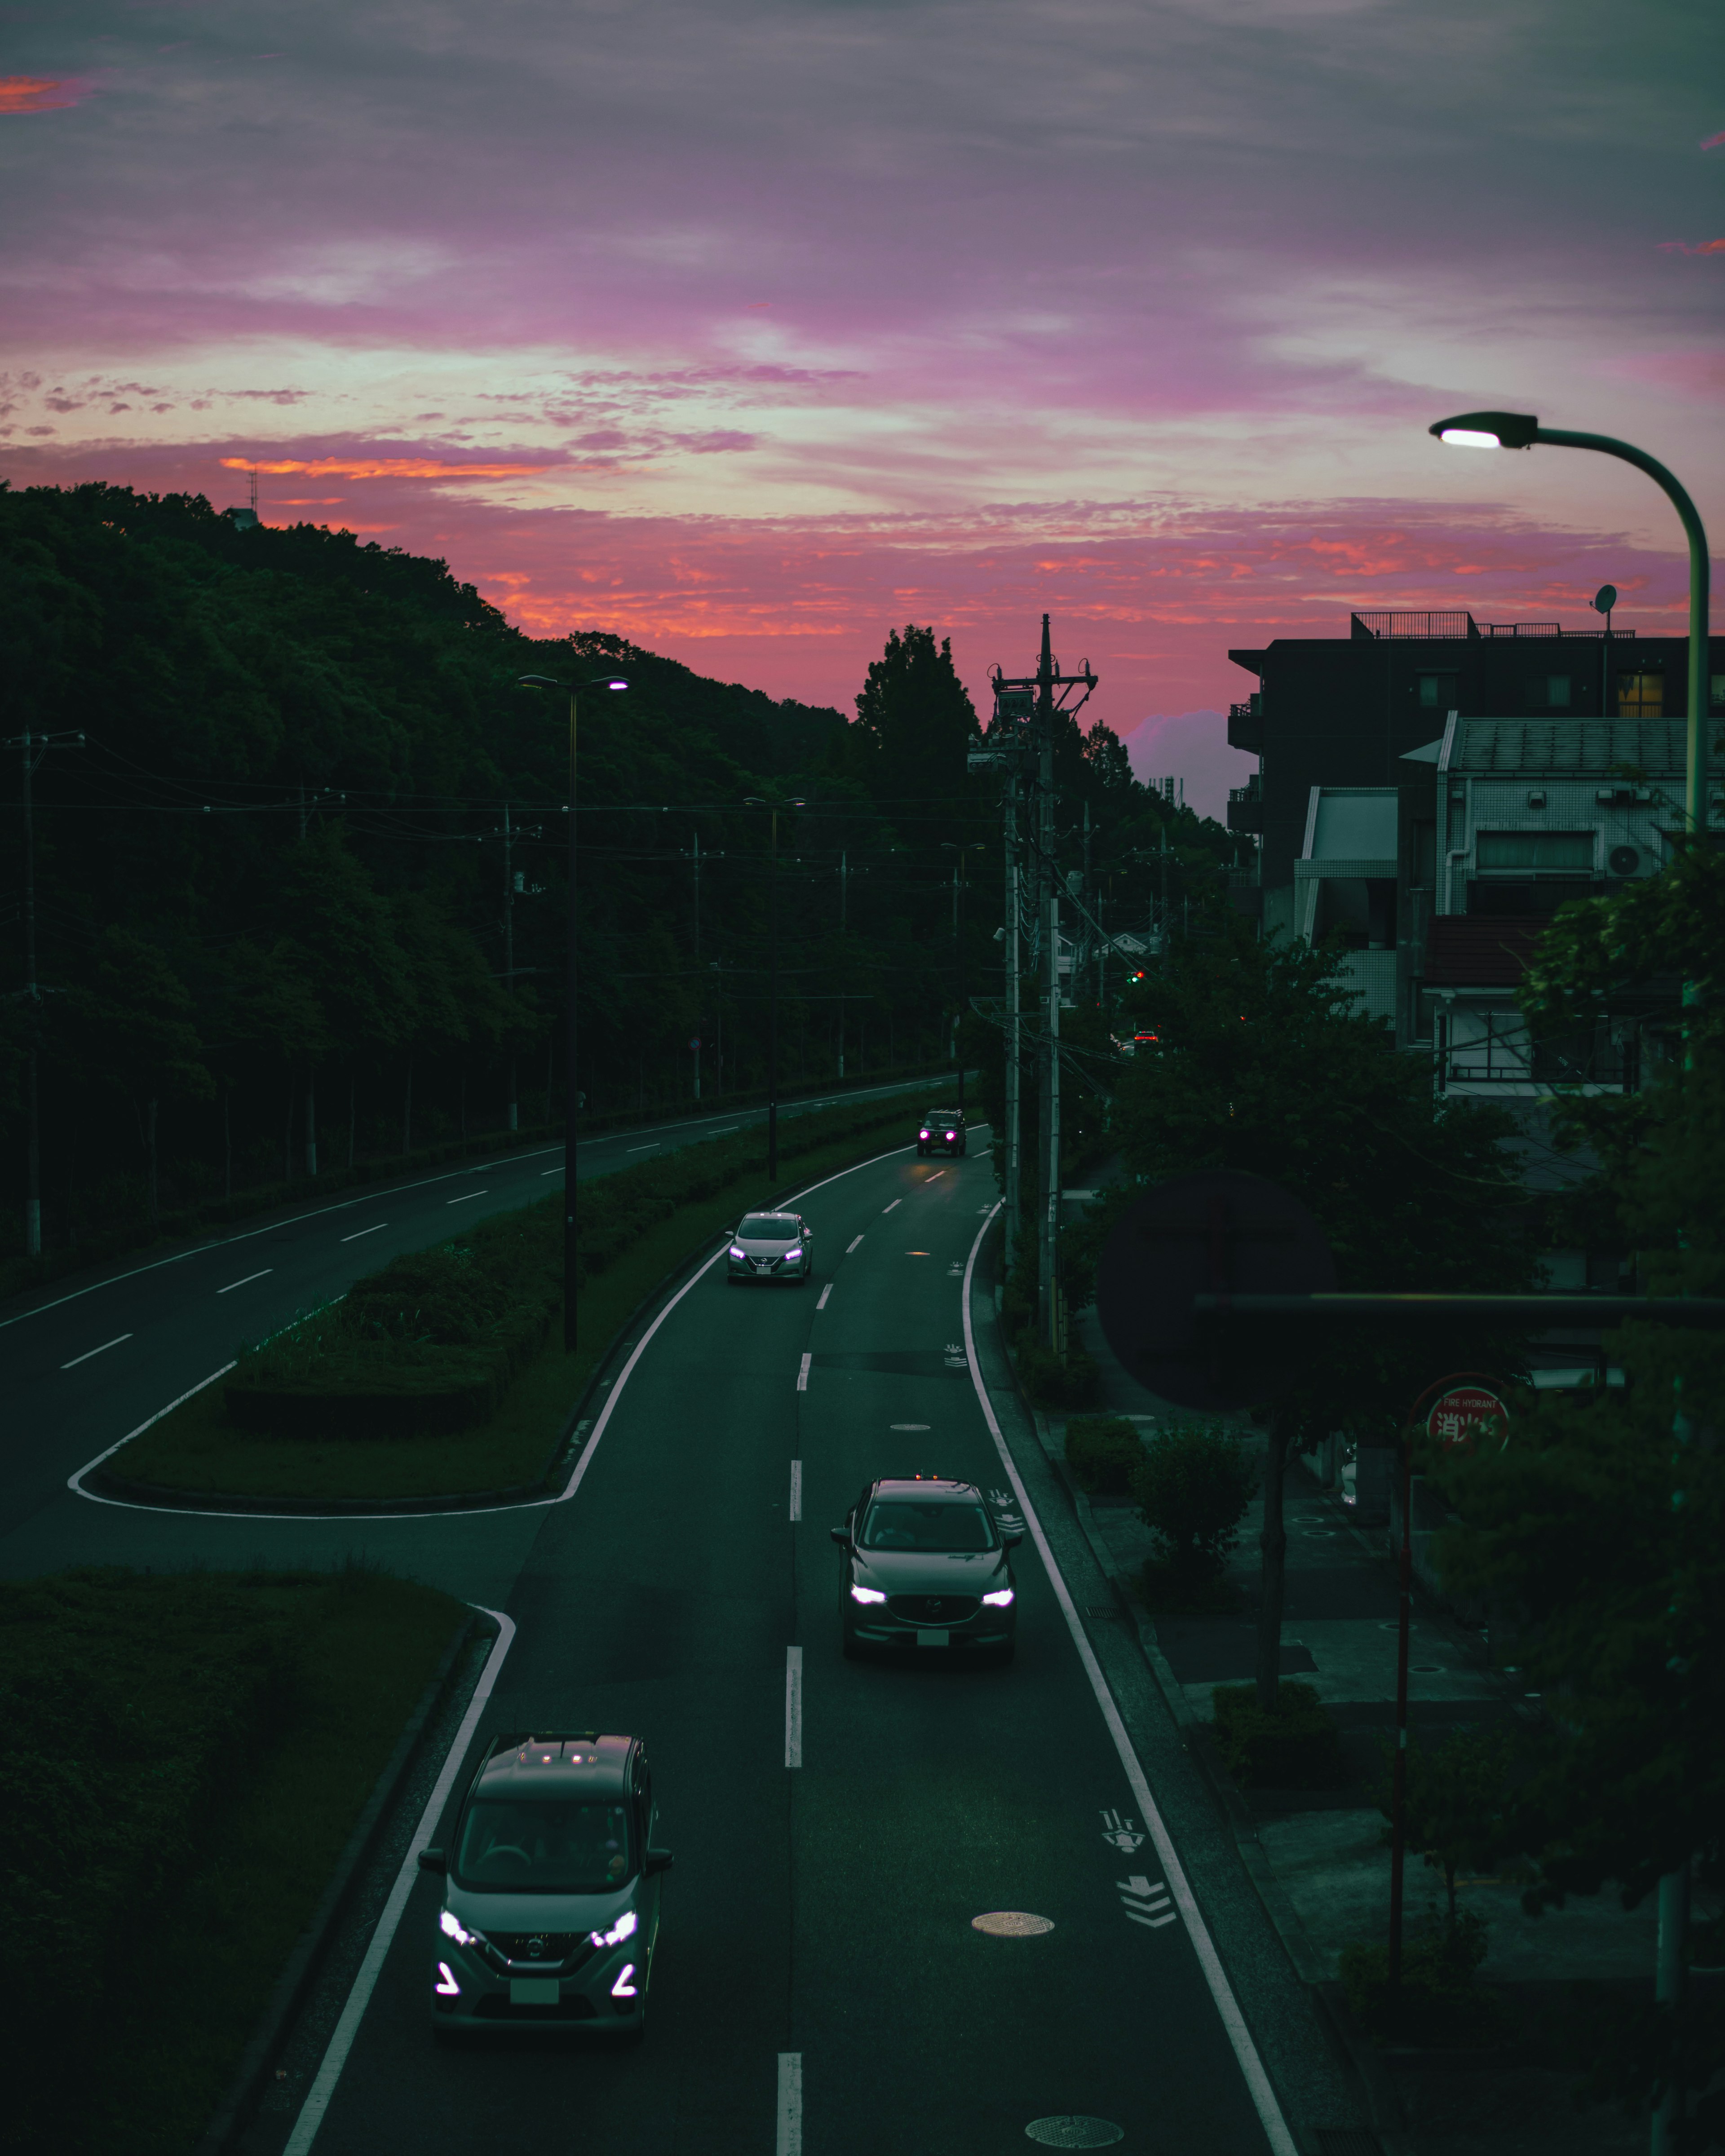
x: 1014, y: 1196
x: 697, y: 918
x: 844, y: 871
x: 34, y: 748
x: 509, y: 946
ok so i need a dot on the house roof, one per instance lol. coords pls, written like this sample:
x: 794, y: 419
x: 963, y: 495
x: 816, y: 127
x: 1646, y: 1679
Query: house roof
x: 1552, y: 748
x: 1479, y: 951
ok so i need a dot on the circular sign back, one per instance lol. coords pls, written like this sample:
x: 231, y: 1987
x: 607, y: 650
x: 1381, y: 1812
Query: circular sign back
x: 1217, y: 1231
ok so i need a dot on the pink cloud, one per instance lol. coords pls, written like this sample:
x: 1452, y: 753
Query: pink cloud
x: 38, y: 93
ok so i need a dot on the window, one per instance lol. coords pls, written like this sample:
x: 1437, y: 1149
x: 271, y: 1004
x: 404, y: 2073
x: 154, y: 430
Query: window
x: 1640, y: 695
x: 1563, y: 850
x: 1548, y: 692
x: 1435, y: 692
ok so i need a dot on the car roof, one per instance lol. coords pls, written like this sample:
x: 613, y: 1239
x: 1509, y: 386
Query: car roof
x: 938, y: 1489
x: 558, y: 1764
x: 929, y: 1114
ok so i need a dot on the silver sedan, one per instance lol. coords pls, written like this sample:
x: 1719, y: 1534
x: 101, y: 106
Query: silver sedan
x: 769, y: 1246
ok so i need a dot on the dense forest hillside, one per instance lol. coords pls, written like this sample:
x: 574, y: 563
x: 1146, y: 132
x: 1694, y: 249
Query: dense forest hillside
x: 300, y: 891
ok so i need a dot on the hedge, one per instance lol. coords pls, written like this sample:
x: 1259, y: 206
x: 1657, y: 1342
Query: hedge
x: 1296, y: 1748
x: 1102, y: 1452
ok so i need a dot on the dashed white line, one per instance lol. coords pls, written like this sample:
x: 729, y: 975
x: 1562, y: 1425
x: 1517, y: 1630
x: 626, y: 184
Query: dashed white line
x: 730, y: 1130
x: 232, y: 1285
x: 558, y: 1170
x: 935, y: 1177
x: 894, y: 1207
x: 358, y: 1232
x: 102, y: 1350
x: 796, y: 1489
x: 824, y: 1293
x: 653, y: 1147
x: 852, y: 1245
x: 803, y: 1374
x: 793, y: 1706
x: 463, y: 1197
x: 787, y: 2133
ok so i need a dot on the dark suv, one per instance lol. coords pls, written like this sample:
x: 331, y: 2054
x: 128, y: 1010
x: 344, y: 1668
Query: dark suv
x: 926, y: 1567
x: 942, y: 1130
x: 551, y: 1910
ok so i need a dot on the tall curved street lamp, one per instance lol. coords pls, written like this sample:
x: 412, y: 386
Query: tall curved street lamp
x: 960, y: 891
x: 1521, y: 430
x: 758, y: 801
x: 572, y: 689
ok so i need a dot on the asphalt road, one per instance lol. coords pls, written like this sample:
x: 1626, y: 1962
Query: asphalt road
x: 819, y: 1913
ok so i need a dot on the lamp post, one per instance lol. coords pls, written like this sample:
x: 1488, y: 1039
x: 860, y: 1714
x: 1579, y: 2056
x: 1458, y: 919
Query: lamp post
x: 570, y: 689
x: 1521, y: 430
x: 960, y: 887
x: 758, y: 801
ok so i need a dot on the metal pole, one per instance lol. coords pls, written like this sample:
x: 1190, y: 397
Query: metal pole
x: 1398, y: 1808
x: 1668, y: 1991
x: 1044, y: 916
x: 509, y: 947
x: 32, y: 1186
x: 1054, y: 1122
x: 772, y: 1012
x: 1012, y: 1103
x: 571, y: 1082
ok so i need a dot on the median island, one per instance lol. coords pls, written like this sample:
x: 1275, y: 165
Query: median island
x: 443, y: 1376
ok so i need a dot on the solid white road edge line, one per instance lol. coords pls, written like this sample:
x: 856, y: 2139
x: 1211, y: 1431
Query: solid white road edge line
x: 824, y: 1293
x: 222, y: 1242
x: 788, y: 2132
x: 317, y: 2098
x: 102, y: 1350
x: 75, y: 1482
x: 803, y: 1374
x: 793, y: 1706
x: 1251, y: 2067
x: 796, y: 1489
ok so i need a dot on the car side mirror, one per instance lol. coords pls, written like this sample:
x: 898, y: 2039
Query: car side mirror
x: 658, y: 1859
x: 435, y: 1859
x: 1010, y: 1542
x: 841, y: 1536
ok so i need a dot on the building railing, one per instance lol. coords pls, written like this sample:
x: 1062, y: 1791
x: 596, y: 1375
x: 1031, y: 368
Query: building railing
x: 1462, y: 627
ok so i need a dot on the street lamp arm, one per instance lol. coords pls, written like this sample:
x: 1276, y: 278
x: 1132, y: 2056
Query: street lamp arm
x: 1675, y: 491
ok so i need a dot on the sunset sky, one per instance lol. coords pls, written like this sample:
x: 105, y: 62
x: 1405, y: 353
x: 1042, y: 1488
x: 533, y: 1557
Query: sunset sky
x: 750, y: 328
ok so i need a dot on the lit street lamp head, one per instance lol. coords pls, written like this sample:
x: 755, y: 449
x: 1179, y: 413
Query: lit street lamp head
x: 546, y: 681
x: 1488, y: 430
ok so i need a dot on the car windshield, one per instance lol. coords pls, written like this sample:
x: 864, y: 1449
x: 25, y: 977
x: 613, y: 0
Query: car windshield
x: 544, y: 1845
x: 766, y: 1228
x: 901, y: 1523
x: 942, y: 1116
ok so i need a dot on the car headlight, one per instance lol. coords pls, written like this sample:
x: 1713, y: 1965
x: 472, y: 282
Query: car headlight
x: 738, y: 1251
x: 453, y: 1928
x: 922, y: 1134
x: 866, y: 1593
x: 999, y: 1598
x: 793, y: 1257
x: 622, y: 1929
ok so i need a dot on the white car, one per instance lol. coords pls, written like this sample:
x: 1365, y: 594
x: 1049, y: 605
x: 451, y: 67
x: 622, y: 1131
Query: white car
x: 770, y: 1246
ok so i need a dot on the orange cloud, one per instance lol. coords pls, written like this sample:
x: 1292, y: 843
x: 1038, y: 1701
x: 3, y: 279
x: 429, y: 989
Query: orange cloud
x: 381, y: 468
x: 1682, y: 246
x: 40, y: 93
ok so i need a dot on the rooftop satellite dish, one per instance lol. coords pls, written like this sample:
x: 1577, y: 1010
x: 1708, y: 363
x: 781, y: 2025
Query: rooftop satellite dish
x: 1604, y: 598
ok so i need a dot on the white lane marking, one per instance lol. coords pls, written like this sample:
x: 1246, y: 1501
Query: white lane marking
x: 653, y: 1147
x: 787, y: 2131
x: 803, y: 1374
x: 824, y: 1293
x: 246, y: 1282
x: 317, y: 2098
x: 558, y: 1170
x: 1245, y: 2052
x: 74, y: 1482
x: 892, y: 1208
x: 793, y: 1706
x: 270, y: 1228
x: 463, y: 1197
x: 358, y: 1232
x: 102, y: 1350
x: 935, y: 1177
x: 852, y: 1245
x: 907, y: 1425
x: 796, y: 1489
x: 730, y: 1130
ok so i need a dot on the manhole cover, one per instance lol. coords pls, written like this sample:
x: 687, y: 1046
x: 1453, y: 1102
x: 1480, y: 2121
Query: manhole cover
x: 1014, y: 1924
x: 1070, y: 2131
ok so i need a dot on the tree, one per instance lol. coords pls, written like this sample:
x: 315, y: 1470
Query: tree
x: 914, y: 721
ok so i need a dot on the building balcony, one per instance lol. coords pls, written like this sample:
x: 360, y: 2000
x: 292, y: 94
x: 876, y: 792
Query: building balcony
x: 1245, y: 808
x: 1245, y: 725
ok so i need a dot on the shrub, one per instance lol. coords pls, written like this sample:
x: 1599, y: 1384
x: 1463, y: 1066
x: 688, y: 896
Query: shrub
x: 1439, y: 2002
x: 1296, y: 1748
x: 1192, y: 1485
x: 1458, y: 1805
x: 1102, y: 1451
x: 1051, y: 1380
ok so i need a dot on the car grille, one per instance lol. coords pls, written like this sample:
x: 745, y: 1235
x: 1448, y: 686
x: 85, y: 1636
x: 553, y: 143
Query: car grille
x: 933, y: 1609
x: 494, y: 2006
x: 555, y: 1948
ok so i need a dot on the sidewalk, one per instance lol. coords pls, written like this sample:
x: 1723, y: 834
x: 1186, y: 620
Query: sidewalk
x: 1317, y: 1857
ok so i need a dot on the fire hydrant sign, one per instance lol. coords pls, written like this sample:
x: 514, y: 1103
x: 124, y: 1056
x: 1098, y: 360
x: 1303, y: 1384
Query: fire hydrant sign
x: 1467, y: 1415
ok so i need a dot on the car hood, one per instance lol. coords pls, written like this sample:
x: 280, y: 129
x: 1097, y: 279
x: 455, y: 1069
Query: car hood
x: 540, y: 1912
x: 932, y: 1571
x: 773, y: 1249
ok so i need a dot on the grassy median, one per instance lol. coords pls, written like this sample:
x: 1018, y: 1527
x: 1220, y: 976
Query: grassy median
x: 197, y: 1452
x: 184, y: 1758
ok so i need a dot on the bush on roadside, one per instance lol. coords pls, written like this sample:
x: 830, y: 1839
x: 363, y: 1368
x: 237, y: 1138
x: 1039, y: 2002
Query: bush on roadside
x: 1296, y: 1748
x: 1051, y: 1380
x: 1192, y: 1486
x: 1102, y: 1451
x: 1439, y: 2001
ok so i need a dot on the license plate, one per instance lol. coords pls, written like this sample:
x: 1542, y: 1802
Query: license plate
x: 533, y: 1991
x: 926, y: 1638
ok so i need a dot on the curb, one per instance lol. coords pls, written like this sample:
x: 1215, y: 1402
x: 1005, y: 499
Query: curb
x: 246, y: 2088
x: 1354, y: 2049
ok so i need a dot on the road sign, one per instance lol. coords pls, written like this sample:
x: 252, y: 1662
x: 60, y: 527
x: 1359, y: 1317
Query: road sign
x: 696, y: 1043
x: 1219, y: 1231
x: 1466, y: 1415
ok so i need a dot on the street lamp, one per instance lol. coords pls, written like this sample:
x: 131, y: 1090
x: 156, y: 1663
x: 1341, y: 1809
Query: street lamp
x: 758, y: 801
x: 1521, y: 430
x: 960, y: 887
x: 570, y: 689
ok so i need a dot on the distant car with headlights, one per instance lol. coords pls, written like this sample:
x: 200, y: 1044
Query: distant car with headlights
x: 942, y: 1130
x: 926, y: 1570
x: 770, y: 1246
x: 551, y: 1890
